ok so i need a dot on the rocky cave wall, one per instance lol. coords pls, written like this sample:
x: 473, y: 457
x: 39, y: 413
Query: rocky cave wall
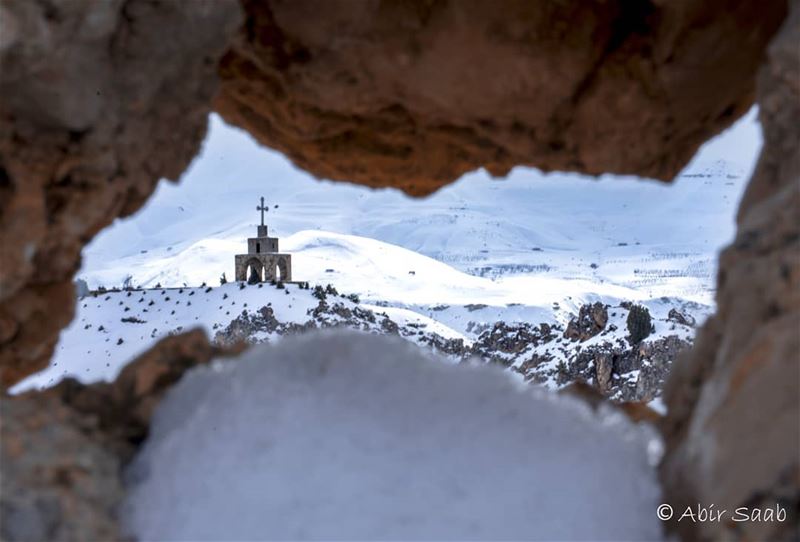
x: 102, y: 99
x: 414, y: 94
x: 733, y: 430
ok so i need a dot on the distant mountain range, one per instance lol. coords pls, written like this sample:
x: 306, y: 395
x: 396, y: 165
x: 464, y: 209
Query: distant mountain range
x: 657, y: 238
x: 499, y: 269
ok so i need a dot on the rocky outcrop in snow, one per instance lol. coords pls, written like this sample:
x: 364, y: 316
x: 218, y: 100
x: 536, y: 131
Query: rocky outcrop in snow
x: 261, y: 325
x: 625, y: 373
x: 619, y: 370
x: 591, y: 320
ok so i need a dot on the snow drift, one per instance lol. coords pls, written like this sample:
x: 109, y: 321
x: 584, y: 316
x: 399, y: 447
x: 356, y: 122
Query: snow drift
x: 350, y: 436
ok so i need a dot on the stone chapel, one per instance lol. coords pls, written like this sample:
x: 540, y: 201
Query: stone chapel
x: 263, y: 262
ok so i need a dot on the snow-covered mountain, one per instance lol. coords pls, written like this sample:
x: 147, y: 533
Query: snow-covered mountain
x: 500, y: 270
x: 550, y: 344
x: 658, y: 238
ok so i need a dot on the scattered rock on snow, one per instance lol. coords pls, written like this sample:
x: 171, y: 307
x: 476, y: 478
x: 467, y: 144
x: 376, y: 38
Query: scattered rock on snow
x: 680, y: 318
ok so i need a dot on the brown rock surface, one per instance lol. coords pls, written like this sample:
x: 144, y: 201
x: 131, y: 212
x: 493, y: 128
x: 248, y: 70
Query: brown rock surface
x: 63, y: 449
x: 124, y: 407
x: 100, y: 101
x: 637, y: 412
x: 733, y: 429
x: 603, y: 367
x: 60, y: 480
x: 414, y: 94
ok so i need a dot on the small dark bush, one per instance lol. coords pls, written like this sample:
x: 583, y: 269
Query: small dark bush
x: 132, y: 320
x: 639, y: 323
x: 319, y: 293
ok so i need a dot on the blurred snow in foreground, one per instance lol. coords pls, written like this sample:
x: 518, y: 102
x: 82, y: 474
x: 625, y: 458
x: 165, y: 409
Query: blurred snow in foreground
x: 349, y: 436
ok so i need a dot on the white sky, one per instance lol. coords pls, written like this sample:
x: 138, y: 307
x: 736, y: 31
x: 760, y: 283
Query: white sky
x: 236, y: 158
x: 233, y: 169
x: 739, y: 144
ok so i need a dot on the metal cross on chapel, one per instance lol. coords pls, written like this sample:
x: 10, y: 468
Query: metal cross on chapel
x: 262, y: 208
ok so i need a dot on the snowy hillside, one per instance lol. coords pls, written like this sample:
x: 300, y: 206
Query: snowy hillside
x: 382, y: 273
x: 498, y: 270
x: 550, y: 331
x: 660, y: 239
x: 111, y: 328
